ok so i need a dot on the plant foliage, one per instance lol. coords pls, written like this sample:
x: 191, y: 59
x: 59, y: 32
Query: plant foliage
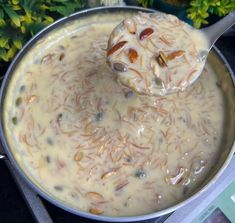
x: 199, y: 10
x: 21, y: 19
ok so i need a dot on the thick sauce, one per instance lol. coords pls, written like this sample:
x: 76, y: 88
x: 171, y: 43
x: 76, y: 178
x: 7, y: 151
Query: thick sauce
x: 99, y: 147
x: 156, y: 53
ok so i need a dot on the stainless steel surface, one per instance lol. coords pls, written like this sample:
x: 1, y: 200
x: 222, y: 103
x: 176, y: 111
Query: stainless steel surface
x: 214, y: 31
x: 2, y: 157
x: 227, y: 145
x: 193, y: 209
x: 39, y: 212
x: 2, y: 153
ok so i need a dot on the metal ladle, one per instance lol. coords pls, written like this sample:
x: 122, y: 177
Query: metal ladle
x: 212, y: 33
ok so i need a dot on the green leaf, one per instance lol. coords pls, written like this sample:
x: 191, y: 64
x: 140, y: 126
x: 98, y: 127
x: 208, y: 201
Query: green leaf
x: 1, y: 14
x: 16, y: 7
x: 3, y: 55
x: 15, y: 2
x: 3, y: 41
x: 11, y: 52
x: 60, y: 9
x: 48, y: 19
x: 13, y: 15
x: 17, y: 42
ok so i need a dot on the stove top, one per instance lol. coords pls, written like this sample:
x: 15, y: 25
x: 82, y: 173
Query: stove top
x: 15, y: 208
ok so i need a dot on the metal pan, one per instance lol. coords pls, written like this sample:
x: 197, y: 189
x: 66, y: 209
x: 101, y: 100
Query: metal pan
x: 227, y: 148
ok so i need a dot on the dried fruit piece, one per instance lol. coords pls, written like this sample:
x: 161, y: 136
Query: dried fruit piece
x: 120, y: 67
x: 95, y: 210
x: 159, y: 81
x: 94, y: 196
x: 78, y: 156
x: 116, y: 47
x: 61, y: 57
x: 175, y: 54
x: 14, y: 120
x: 18, y: 101
x: 162, y: 59
x: 132, y: 55
x: 146, y: 33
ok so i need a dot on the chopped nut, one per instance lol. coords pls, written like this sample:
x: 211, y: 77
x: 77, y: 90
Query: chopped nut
x: 131, y: 26
x: 146, y: 33
x: 175, y: 54
x: 121, y: 185
x: 116, y: 47
x: 95, y: 210
x: 162, y: 59
x: 132, y: 55
x: 94, y: 196
x: 32, y: 98
x: 108, y: 174
x: 78, y: 156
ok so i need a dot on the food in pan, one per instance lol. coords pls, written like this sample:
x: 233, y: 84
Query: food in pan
x: 100, y: 147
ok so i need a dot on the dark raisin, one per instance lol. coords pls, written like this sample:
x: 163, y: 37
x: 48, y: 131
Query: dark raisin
x: 99, y: 116
x: 49, y: 141
x: 59, y: 117
x: 140, y: 173
x: 129, y: 94
x: 58, y: 188
x: 119, y: 67
x: 74, y: 37
x: 48, y: 159
x: 15, y: 120
x: 18, y: 101
x: 22, y: 88
x: 159, y: 81
x: 61, y: 47
x: 61, y: 57
x: 128, y: 159
x: 218, y: 85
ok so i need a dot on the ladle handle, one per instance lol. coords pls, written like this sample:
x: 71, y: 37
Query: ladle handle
x: 214, y: 31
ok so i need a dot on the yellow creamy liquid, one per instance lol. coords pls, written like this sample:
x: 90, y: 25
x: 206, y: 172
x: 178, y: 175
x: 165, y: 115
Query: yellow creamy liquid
x: 98, y: 147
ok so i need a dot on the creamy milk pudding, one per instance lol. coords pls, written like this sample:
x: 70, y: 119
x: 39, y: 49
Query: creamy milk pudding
x: 97, y: 146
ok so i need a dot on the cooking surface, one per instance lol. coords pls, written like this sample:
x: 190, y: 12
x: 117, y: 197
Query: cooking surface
x: 12, y: 206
